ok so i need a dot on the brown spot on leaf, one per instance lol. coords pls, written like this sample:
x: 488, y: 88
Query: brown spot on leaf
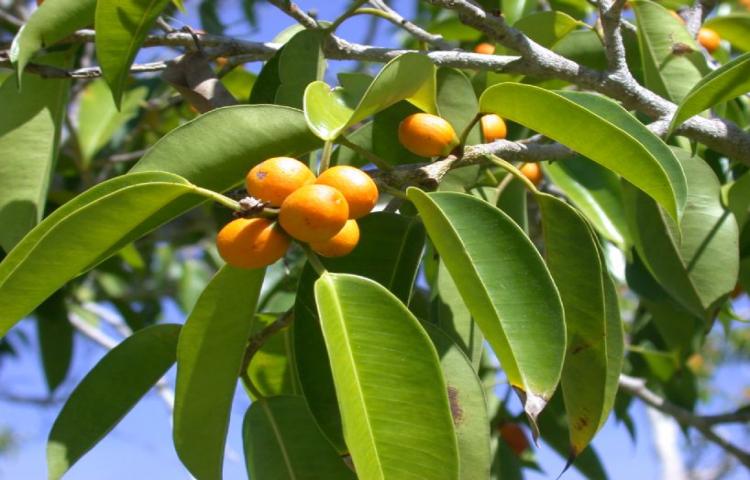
x: 456, y: 411
x: 579, y: 348
x: 581, y: 423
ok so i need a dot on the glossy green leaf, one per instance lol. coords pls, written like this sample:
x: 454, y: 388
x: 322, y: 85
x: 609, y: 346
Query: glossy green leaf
x: 513, y: 10
x: 584, y: 47
x: 283, y: 442
x: 240, y: 83
x: 597, y: 192
x: 378, y: 392
x: 738, y: 198
x: 81, y: 233
x: 326, y: 110
x: 735, y: 28
x: 574, y: 259
x: 108, y: 392
x: 121, y: 28
x: 301, y: 61
x: 209, y: 356
x: 696, y: 263
x: 669, y: 75
x: 51, y: 22
x: 547, y: 28
x: 55, y: 335
x: 468, y: 406
x: 30, y: 129
x: 425, y: 98
x: 239, y: 138
x: 272, y: 369
x: 388, y: 252
x: 99, y: 119
x: 725, y: 83
x: 614, y: 138
x: 505, y: 285
x: 457, y: 102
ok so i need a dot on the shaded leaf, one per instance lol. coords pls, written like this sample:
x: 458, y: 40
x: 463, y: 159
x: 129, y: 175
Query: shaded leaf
x: 283, y: 442
x: 547, y: 28
x: 209, y: 357
x: 121, y: 28
x: 301, y: 61
x: 378, y: 392
x: 735, y: 28
x: 108, y: 392
x: 55, y: 340
x: 272, y: 369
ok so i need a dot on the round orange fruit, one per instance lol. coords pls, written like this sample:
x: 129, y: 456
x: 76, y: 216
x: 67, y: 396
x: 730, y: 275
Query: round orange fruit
x: 314, y: 213
x: 485, y: 48
x: 252, y: 242
x: 358, y: 188
x: 533, y: 172
x: 340, y: 244
x: 493, y: 127
x: 274, y: 179
x: 514, y: 436
x: 709, y: 39
x: 427, y: 135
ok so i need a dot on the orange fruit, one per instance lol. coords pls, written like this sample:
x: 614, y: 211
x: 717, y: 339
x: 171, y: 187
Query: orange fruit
x: 427, y: 135
x: 709, y: 39
x: 493, y: 127
x: 533, y: 172
x: 514, y: 436
x: 314, y: 213
x: 340, y: 244
x: 274, y: 179
x: 358, y: 188
x: 252, y: 242
x: 745, y: 3
x: 485, y: 48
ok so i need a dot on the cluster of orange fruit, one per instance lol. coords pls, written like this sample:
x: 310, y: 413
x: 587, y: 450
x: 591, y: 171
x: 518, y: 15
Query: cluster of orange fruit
x: 428, y: 135
x: 319, y: 211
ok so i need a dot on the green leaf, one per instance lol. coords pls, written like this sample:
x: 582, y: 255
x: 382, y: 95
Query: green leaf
x: 597, y: 192
x: 55, y: 340
x: 454, y: 318
x: 217, y: 149
x: 614, y: 138
x: 735, y: 28
x: 51, y: 22
x: 326, y: 110
x: 283, y: 442
x: 209, y: 356
x: 272, y: 369
x: 669, y: 75
x: 301, y: 61
x: 380, y: 392
x: 108, y: 392
x: 468, y: 406
x: 99, y: 119
x: 584, y: 47
x: 696, y: 263
x: 388, y: 252
x: 505, y: 285
x: 738, y: 198
x: 30, y: 129
x: 240, y: 83
x: 121, y: 28
x: 576, y: 263
x: 547, y: 28
x: 83, y: 232
x: 725, y: 83
x: 513, y: 10
x: 457, y: 102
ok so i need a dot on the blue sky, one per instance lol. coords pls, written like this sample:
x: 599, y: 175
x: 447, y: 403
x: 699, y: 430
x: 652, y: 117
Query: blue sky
x: 140, y: 446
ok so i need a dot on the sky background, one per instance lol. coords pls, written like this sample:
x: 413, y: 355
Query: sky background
x: 141, y: 445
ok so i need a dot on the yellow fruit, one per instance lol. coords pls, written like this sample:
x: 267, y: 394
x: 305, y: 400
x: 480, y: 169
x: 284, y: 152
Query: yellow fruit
x: 358, y: 188
x: 314, y: 213
x: 493, y: 127
x: 485, y: 48
x: 427, y: 135
x: 709, y: 39
x: 533, y: 172
x: 251, y: 242
x: 340, y: 244
x: 274, y: 179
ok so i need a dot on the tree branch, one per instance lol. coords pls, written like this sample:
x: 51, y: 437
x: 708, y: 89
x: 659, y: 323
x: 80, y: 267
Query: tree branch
x: 637, y: 388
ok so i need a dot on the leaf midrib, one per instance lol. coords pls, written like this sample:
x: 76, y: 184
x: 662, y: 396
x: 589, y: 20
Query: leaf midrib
x: 350, y: 354
x: 279, y: 439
